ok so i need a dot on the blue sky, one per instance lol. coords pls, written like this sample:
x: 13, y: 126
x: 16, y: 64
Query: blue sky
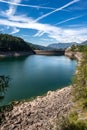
x: 45, y: 21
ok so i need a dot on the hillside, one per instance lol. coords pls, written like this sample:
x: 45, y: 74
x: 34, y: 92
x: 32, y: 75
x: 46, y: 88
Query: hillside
x: 9, y: 43
x: 39, y: 47
x: 84, y: 43
x: 77, y: 118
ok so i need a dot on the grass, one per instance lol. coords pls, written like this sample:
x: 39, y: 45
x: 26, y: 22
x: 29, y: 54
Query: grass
x: 72, y: 122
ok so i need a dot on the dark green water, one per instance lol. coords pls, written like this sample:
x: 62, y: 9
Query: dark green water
x: 35, y: 75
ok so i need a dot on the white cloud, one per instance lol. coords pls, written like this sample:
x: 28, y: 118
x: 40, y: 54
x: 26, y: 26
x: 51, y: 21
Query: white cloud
x: 10, y: 13
x: 21, y: 18
x: 76, y: 25
x: 39, y: 33
x: 15, y: 30
x: 63, y: 35
x: 58, y: 34
x: 12, y: 9
x: 70, y: 19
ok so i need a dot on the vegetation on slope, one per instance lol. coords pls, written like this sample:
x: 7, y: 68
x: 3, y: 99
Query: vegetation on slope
x: 9, y: 43
x: 37, y: 47
x: 80, y: 48
x: 77, y: 119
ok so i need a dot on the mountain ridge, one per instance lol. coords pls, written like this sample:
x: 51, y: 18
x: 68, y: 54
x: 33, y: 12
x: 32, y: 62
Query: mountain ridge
x: 62, y: 45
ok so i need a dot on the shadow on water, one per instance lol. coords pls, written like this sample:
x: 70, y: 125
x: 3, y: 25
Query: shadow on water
x: 10, y: 59
x: 4, y: 84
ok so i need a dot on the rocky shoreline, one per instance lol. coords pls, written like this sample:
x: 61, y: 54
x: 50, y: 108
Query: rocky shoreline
x: 39, y: 114
x: 14, y: 54
x: 73, y: 55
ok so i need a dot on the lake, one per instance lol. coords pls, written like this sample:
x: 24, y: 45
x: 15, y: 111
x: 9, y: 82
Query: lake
x: 35, y: 75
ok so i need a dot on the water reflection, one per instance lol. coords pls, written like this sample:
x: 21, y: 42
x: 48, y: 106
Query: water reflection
x: 4, y: 84
x: 10, y: 59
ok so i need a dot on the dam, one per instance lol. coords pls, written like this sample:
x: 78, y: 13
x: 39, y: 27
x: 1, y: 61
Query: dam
x: 50, y: 52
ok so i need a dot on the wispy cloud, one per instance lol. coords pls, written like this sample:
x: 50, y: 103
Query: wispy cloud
x: 77, y: 26
x: 59, y: 34
x: 11, y: 11
x: 14, y: 30
x: 56, y: 10
x: 53, y: 32
x: 39, y: 33
x: 24, y: 5
x: 10, y: 14
x: 70, y: 19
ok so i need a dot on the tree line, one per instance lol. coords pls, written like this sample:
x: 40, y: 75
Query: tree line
x: 9, y: 43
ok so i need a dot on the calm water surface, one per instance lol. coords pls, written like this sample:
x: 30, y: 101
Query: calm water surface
x: 35, y: 75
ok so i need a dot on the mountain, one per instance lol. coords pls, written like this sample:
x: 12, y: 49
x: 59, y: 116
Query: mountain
x: 9, y: 43
x: 84, y: 43
x: 61, y: 45
x: 39, y: 47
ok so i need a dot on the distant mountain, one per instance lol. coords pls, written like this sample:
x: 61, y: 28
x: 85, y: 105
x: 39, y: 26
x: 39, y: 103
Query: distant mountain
x: 39, y: 47
x: 36, y: 47
x: 52, y: 46
x: 84, y: 43
x: 61, y: 45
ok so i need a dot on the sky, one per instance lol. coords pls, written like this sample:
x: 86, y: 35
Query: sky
x: 45, y: 21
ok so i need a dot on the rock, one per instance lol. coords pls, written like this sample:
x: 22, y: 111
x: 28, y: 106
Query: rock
x: 73, y: 55
x: 40, y: 113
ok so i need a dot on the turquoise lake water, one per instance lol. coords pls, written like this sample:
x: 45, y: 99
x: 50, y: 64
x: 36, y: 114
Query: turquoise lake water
x: 35, y: 75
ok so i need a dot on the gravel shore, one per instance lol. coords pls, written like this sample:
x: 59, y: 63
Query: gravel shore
x: 39, y: 114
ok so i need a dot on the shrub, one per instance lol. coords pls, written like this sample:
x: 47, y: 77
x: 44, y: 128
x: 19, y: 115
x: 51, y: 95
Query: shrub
x: 72, y: 123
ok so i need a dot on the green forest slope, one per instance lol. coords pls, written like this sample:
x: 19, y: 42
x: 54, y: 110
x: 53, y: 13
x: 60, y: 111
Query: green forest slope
x: 9, y: 43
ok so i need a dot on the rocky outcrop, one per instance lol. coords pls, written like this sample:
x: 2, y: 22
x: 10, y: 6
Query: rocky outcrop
x: 39, y: 114
x: 73, y: 55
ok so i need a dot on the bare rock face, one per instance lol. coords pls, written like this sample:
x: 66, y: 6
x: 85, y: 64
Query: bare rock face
x: 39, y: 114
x: 73, y: 55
